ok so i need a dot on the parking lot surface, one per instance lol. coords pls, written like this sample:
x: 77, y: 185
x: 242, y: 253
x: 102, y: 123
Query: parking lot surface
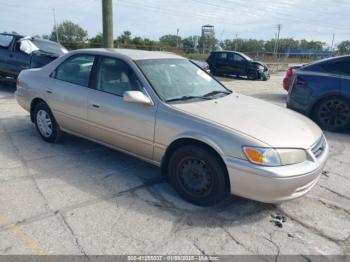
x: 78, y: 197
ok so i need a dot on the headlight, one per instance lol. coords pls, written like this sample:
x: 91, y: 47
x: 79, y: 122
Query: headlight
x: 274, y: 157
x: 261, y: 68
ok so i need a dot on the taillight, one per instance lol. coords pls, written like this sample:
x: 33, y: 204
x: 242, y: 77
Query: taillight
x: 290, y: 72
x: 207, y: 59
x: 17, y: 82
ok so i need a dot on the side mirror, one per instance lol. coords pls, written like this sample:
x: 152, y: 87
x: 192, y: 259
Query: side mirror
x: 137, y: 97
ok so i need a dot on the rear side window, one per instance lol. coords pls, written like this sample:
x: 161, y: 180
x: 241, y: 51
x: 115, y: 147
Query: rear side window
x: 338, y: 67
x: 116, y: 77
x: 5, y: 40
x: 76, y: 70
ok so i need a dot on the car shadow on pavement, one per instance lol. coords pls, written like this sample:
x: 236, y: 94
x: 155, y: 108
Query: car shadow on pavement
x: 77, y: 173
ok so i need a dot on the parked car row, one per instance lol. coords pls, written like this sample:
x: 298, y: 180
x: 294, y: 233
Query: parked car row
x: 18, y: 52
x: 162, y: 108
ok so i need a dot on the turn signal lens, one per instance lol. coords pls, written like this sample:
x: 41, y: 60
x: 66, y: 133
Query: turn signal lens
x: 262, y: 156
x: 254, y: 155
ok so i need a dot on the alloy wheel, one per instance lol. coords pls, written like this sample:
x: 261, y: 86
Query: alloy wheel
x: 334, y: 113
x: 44, y: 123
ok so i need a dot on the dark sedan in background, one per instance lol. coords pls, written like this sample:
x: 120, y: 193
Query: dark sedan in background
x: 18, y: 52
x: 322, y: 91
x: 238, y: 64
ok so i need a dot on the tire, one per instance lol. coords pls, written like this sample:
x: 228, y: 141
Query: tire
x: 332, y: 114
x: 198, y: 175
x: 252, y: 75
x: 46, y: 124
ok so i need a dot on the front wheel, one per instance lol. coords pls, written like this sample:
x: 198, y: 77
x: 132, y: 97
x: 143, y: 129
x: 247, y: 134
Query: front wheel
x: 333, y: 114
x: 198, y: 175
x: 46, y: 124
x: 253, y: 75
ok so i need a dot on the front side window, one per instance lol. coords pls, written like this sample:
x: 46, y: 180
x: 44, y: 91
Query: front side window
x: 235, y: 58
x: 179, y: 78
x: 116, y: 77
x: 76, y: 70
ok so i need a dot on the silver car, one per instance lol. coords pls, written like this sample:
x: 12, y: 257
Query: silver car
x: 162, y: 108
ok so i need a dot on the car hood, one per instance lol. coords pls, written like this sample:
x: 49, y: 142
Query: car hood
x: 260, y: 63
x: 268, y: 123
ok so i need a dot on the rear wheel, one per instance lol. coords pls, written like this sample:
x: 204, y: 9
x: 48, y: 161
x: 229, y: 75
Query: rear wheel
x: 198, y: 175
x: 333, y: 114
x: 46, y: 124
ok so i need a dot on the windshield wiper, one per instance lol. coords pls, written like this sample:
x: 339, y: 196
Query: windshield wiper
x: 216, y: 92
x: 187, y: 98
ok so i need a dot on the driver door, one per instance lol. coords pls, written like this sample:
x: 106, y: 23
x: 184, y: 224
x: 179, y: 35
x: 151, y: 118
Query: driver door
x: 113, y: 121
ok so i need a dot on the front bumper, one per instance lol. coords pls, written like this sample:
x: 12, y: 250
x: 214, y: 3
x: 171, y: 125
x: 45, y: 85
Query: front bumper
x: 275, y: 184
x: 264, y: 74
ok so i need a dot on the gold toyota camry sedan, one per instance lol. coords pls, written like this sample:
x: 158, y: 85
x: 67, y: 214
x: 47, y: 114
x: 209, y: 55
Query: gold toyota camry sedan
x: 164, y: 109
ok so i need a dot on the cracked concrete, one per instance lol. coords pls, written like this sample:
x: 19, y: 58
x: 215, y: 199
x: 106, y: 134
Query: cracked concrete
x: 81, y: 198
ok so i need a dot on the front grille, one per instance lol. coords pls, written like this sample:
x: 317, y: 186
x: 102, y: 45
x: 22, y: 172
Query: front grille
x: 319, y: 147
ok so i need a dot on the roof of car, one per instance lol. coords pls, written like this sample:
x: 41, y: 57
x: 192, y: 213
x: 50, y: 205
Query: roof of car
x: 135, y: 54
x: 12, y: 34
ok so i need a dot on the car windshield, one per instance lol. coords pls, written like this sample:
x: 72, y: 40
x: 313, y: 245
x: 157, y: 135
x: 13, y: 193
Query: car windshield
x: 49, y: 47
x: 179, y: 79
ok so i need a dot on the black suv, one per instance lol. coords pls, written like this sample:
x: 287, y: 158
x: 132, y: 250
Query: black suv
x: 18, y: 52
x: 236, y: 63
x: 321, y: 90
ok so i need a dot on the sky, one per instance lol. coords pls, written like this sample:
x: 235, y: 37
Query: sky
x: 300, y: 19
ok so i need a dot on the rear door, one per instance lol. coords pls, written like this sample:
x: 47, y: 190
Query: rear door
x: 221, y: 62
x: 67, y: 92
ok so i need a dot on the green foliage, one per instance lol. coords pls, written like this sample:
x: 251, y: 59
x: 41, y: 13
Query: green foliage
x: 69, y: 32
x: 97, y: 40
x: 344, y: 47
x: 170, y: 40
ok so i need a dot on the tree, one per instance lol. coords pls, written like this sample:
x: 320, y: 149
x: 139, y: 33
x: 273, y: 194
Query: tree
x: 69, y: 32
x: 344, y: 47
x: 189, y: 43
x: 170, y: 40
x: 125, y: 38
x: 97, y: 40
x: 207, y: 43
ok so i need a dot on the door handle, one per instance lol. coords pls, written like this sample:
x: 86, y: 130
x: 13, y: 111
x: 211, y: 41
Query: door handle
x: 95, y: 106
x: 49, y: 91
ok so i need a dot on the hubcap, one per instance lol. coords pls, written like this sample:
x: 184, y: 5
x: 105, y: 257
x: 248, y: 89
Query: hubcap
x: 44, y: 123
x: 195, y: 176
x: 334, y: 113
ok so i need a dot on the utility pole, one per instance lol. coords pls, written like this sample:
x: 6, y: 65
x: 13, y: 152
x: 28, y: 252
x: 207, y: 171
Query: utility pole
x: 107, y: 18
x: 177, y: 38
x: 236, y: 42
x: 55, y: 25
x: 279, y: 27
x: 332, y: 42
